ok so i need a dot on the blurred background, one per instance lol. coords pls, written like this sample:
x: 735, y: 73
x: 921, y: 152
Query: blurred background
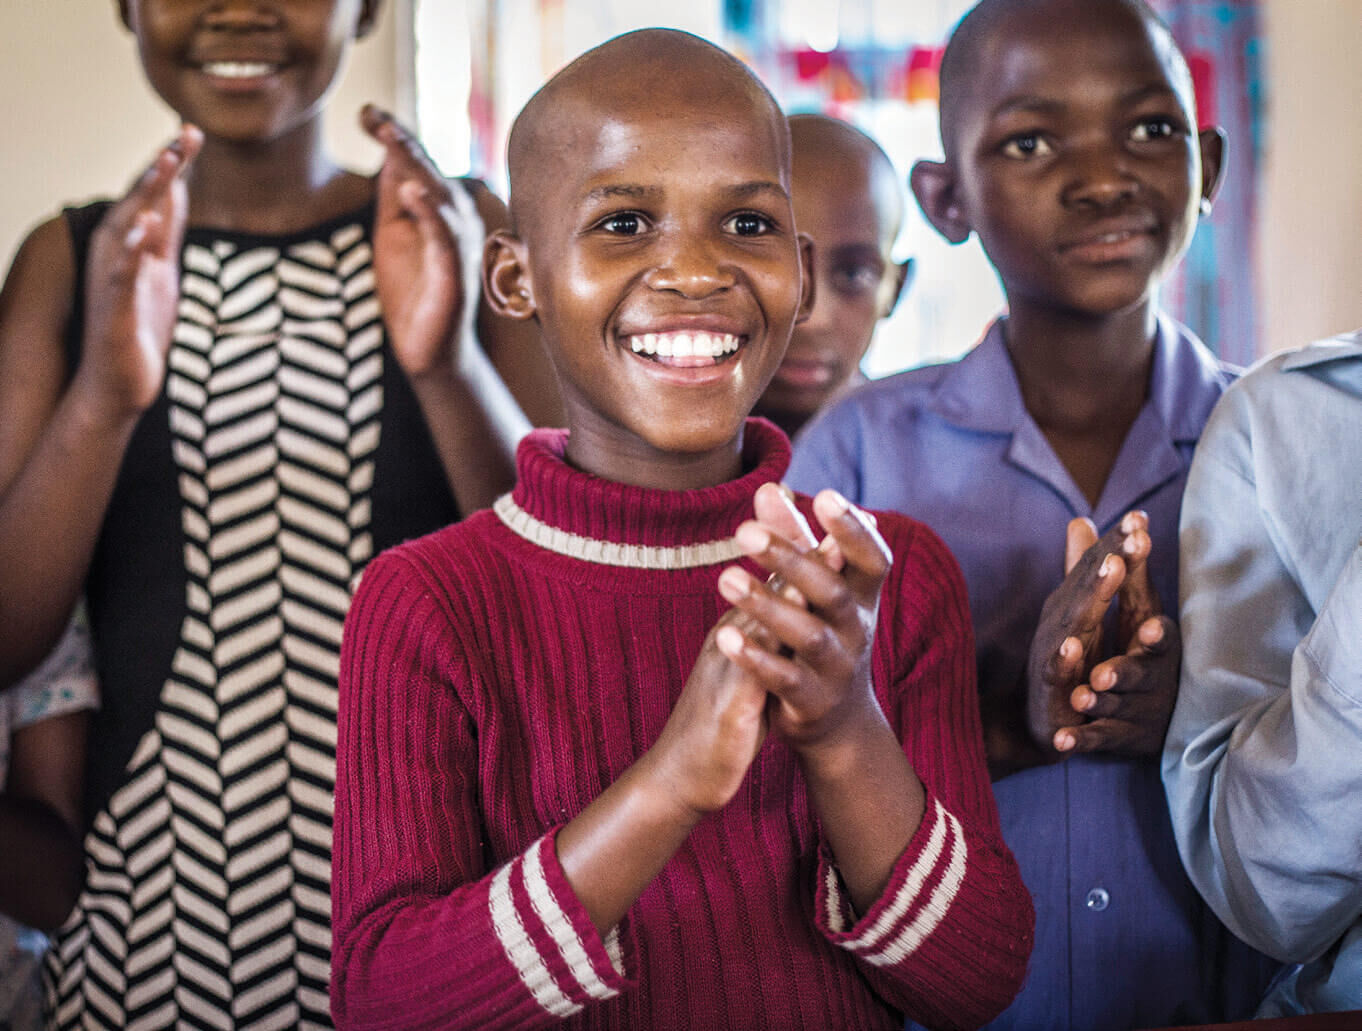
x: 1272, y: 267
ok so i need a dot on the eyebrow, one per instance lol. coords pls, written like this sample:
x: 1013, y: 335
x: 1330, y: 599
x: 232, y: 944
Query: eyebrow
x: 1040, y: 105
x: 634, y: 191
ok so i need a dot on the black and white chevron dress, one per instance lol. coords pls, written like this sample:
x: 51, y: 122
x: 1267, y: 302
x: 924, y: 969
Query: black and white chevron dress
x: 285, y: 451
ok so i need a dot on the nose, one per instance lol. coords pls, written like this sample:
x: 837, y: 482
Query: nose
x: 690, y: 265
x: 1100, y: 176
x: 241, y: 15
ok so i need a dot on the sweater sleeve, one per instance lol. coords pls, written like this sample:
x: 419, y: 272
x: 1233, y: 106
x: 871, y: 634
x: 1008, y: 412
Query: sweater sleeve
x: 949, y: 939
x: 425, y: 934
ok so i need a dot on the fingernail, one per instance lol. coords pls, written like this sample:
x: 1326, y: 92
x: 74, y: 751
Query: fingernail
x: 1130, y: 523
x: 752, y: 538
x: 1064, y: 741
x: 1069, y: 648
x: 1106, y: 568
x: 730, y: 641
x: 734, y: 584
x: 786, y: 492
x: 840, y: 503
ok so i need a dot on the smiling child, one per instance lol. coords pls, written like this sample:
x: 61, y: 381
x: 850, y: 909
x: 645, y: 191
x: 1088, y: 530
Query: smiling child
x: 573, y: 783
x: 220, y: 395
x: 1071, y: 149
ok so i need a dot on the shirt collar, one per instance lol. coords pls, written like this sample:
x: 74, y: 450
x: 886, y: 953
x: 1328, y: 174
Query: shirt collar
x: 1346, y: 345
x: 981, y: 392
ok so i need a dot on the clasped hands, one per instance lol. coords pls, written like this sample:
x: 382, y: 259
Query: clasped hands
x: 1078, y: 702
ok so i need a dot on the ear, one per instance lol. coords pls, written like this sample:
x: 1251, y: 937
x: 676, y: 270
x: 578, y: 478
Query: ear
x: 934, y: 185
x: 368, y: 17
x: 903, y: 279
x: 807, y: 287
x: 506, y: 277
x: 1212, y: 142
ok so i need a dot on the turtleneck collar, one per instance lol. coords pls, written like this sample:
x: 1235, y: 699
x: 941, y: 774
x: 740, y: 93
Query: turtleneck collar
x: 585, y: 517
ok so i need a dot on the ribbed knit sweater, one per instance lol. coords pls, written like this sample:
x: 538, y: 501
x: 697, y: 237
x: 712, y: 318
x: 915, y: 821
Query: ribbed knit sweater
x: 497, y: 675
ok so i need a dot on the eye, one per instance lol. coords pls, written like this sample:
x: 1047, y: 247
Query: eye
x: 623, y: 223
x: 854, y: 279
x: 749, y: 223
x: 1155, y: 129
x: 1026, y: 145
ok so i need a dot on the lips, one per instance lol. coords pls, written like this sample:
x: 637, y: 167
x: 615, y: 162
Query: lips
x: 1111, y: 238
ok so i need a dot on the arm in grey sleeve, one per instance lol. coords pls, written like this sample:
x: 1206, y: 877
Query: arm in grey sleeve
x: 1262, y: 758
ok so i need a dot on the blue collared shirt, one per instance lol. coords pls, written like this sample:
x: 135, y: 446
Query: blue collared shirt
x: 1264, y: 756
x: 1122, y: 939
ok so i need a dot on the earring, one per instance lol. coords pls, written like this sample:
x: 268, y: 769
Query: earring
x: 1205, y: 207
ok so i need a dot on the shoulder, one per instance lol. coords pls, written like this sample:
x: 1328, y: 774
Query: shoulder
x: 872, y: 408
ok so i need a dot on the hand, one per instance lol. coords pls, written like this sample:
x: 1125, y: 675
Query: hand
x: 133, y: 284
x: 1121, y: 705
x: 714, y: 731
x: 427, y: 253
x: 816, y: 625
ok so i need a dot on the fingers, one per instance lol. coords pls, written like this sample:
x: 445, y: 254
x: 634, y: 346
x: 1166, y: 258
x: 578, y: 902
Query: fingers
x: 1129, y: 699
x: 1139, y: 601
x: 1080, y: 535
x: 403, y: 153
x: 775, y: 507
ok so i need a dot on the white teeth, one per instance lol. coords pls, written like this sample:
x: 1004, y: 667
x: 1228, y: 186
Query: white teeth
x: 238, y: 69
x: 684, y: 345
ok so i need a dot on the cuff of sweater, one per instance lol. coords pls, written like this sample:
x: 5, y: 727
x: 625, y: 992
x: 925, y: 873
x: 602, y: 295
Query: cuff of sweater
x: 546, y: 933
x: 921, y: 888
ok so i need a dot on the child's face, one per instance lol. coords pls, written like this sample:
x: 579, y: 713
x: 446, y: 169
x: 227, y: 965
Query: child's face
x: 245, y: 71
x: 1077, y: 161
x: 848, y: 203
x: 665, y: 272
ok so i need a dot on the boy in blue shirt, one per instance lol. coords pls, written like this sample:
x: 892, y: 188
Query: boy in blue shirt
x: 1071, y: 149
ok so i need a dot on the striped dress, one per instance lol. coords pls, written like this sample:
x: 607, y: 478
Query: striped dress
x: 285, y: 451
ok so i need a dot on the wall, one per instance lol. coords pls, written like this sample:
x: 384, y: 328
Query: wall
x: 1310, y: 237
x: 79, y: 121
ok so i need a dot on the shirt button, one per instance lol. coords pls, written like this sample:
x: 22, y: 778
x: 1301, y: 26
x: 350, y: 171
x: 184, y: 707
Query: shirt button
x: 1097, y: 900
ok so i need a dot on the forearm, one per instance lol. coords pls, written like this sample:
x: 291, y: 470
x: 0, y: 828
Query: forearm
x: 869, y: 803
x: 49, y: 521
x: 615, y: 847
x: 475, y: 424
x: 41, y: 864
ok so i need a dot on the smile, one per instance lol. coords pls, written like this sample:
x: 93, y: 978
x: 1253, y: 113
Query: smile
x: 238, y: 69
x: 684, y: 349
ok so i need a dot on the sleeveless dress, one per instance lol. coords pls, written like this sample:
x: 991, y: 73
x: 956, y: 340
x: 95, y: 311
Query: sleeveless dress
x: 285, y: 451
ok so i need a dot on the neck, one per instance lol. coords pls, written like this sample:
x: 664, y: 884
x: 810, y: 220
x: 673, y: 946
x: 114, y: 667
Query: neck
x: 1079, y: 370
x: 643, y: 466
x: 272, y: 187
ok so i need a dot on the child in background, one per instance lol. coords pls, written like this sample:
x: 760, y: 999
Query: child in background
x: 42, y: 747
x: 1071, y: 149
x: 221, y: 395
x: 847, y: 198
x: 1261, y: 762
x: 570, y: 786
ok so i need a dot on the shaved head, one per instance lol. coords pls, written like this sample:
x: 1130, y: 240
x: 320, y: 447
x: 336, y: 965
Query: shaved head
x: 819, y: 141
x: 988, y: 25
x: 627, y: 77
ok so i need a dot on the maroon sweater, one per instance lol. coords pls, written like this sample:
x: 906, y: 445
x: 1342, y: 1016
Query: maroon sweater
x: 497, y: 675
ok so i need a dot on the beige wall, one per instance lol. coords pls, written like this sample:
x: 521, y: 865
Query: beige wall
x: 1310, y: 237
x: 78, y: 120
